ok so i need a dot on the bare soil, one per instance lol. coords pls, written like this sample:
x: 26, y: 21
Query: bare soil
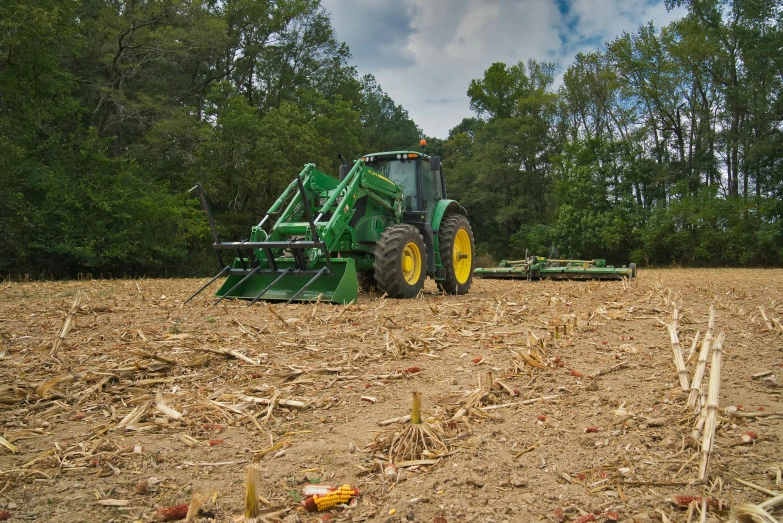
x: 78, y: 450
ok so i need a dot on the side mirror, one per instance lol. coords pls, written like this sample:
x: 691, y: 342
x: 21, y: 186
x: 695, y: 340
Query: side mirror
x: 435, y: 163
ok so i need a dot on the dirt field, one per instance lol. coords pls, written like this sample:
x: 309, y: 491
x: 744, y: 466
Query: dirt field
x: 95, y: 438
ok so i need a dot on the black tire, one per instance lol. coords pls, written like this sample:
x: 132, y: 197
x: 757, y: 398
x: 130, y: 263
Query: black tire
x: 452, y: 242
x: 366, y: 281
x: 633, y: 270
x: 390, y: 258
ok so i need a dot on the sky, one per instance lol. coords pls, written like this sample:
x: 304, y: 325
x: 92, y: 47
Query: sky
x: 424, y: 53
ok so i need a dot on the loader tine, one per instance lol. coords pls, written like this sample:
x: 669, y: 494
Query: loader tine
x: 210, y: 282
x: 287, y: 271
x: 317, y: 275
x: 243, y: 280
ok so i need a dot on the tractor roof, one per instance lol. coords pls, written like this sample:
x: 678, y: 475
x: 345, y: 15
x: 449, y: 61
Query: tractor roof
x: 393, y: 154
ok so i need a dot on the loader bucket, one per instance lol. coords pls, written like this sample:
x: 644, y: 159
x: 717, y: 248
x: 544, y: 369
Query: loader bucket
x: 288, y: 284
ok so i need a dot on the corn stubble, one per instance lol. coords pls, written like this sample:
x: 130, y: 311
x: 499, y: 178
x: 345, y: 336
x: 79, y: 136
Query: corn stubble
x: 418, y: 438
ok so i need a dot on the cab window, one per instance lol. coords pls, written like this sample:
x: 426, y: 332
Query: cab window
x: 430, y: 183
x: 402, y: 173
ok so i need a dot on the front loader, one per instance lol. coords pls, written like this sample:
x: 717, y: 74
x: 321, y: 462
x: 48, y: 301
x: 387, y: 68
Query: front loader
x: 385, y: 223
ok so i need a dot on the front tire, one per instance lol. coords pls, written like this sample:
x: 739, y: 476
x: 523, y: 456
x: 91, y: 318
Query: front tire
x: 400, y: 262
x: 366, y: 281
x: 455, y: 240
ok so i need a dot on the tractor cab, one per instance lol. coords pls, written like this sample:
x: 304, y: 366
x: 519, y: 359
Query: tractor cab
x: 420, y: 176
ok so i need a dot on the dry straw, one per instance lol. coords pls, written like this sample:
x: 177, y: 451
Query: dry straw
x: 67, y: 326
x: 701, y: 365
x: 712, y: 406
x: 682, y: 371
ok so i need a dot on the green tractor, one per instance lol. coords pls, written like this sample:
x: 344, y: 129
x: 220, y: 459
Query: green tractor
x: 386, y: 223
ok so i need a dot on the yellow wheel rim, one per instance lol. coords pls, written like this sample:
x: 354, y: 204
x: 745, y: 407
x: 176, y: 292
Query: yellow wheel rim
x: 463, y: 256
x: 411, y: 263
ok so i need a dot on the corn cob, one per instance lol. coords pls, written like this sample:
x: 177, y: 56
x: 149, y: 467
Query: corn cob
x: 334, y: 497
x: 171, y: 513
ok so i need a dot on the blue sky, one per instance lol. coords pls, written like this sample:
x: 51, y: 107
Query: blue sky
x: 425, y: 52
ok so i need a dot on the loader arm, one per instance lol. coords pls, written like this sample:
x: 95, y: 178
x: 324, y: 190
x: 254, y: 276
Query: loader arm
x: 312, y: 248
x: 333, y: 205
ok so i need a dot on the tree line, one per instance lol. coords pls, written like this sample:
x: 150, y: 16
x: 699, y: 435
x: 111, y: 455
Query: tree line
x: 110, y: 110
x: 664, y: 147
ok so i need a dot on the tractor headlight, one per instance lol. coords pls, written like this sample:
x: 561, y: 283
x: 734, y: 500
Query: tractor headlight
x: 399, y: 157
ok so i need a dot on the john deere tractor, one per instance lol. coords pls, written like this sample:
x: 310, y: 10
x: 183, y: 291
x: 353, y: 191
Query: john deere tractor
x: 386, y: 223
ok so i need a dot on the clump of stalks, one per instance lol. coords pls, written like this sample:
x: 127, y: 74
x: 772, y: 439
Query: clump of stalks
x: 473, y: 401
x: 418, y: 439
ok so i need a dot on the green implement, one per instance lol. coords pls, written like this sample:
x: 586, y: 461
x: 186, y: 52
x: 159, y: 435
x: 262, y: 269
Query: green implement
x: 385, y: 223
x: 337, y: 284
x: 538, y: 268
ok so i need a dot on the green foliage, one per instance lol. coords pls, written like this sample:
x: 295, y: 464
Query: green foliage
x: 386, y: 125
x: 664, y: 148
x: 111, y: 111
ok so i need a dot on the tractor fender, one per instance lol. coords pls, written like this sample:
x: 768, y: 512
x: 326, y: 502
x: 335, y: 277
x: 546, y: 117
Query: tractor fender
x: 442, y: 209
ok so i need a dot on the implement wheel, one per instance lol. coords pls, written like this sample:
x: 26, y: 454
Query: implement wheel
x: 456, y: 253
x: 400, y: 262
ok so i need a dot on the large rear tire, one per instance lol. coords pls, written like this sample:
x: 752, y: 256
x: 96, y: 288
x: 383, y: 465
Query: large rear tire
x: 400, y: 262
x: 455, y: 240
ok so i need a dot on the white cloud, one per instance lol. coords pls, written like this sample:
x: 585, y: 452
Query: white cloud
x: 424, y: 53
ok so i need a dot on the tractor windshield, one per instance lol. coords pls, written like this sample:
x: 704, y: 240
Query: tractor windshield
x: 402, y: 173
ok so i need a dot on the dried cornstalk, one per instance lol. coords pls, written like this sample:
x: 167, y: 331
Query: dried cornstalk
x: 196, y: 502
x: 693, y: 346
x: 417, y: 440
x: 531, y: 361
x: 766, y: 320
x: 276, y: 314
x: 698, y: 429
x: 266, y: 401
x: 780, y: 325
x: 749, y: 513
x: 44, y: 388
x: 534, y: 342
x: 701, y: 365
x: 7, y: 444
x: 67, y: 325
x: 478, y: 398
x: 392, y: 421
x: 772, y: 503
x: 133, y: 416
x: 712, y: 406
x: 251, y: 492
x: 229, y: 352
x: 164, y: 409
x: 611, y: 369
x: 678, y: 359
